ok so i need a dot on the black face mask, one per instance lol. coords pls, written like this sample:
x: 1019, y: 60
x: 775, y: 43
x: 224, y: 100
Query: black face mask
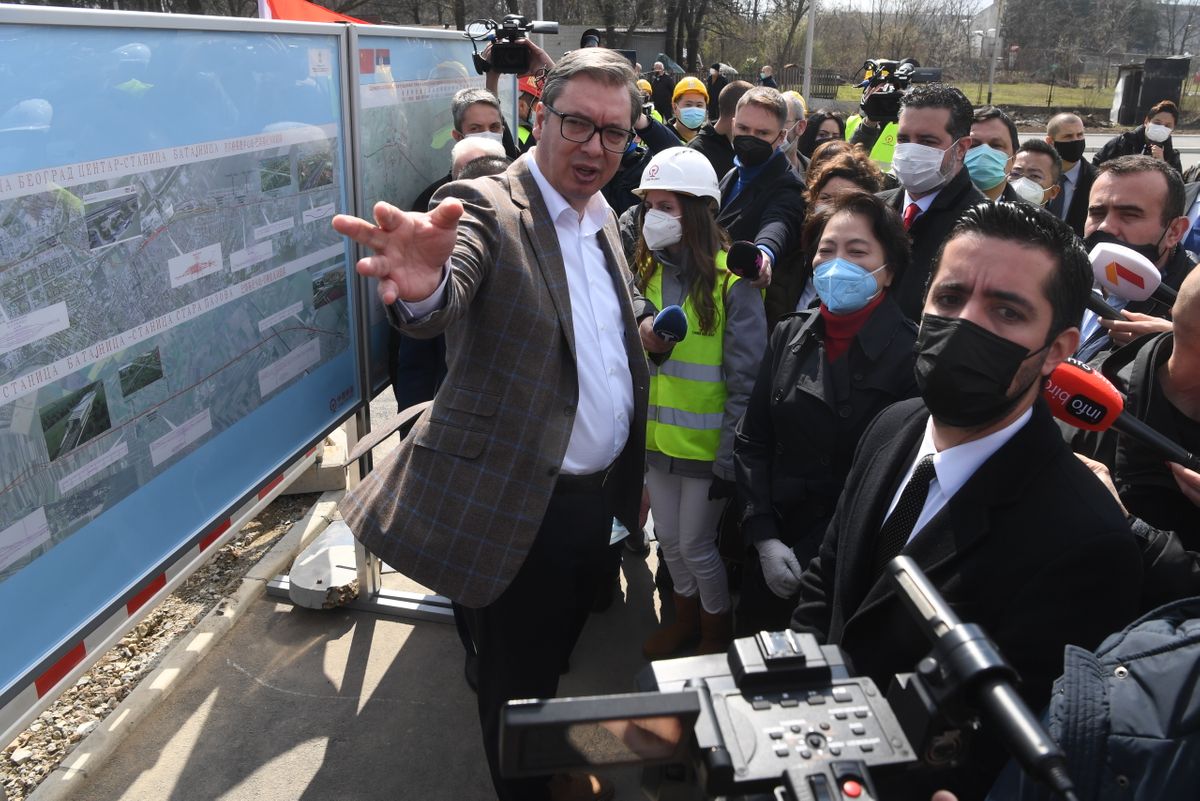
x: 1070, y: 151
x: 751, y: 150
x: 1150, y: 251
x: 964, y: 371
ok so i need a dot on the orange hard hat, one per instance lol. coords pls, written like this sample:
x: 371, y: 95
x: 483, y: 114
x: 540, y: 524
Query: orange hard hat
x: 529, y: 85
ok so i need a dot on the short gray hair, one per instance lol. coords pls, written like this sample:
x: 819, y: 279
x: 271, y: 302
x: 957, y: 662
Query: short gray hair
x: 478, y: 145
x: 605, y: 66
x: 465, y: 98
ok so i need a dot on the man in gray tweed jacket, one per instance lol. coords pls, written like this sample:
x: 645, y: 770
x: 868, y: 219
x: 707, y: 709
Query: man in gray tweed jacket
x: 501, y: 497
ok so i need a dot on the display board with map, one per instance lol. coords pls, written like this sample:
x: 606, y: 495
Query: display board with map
x: 176, y: 313
x: 404, y: 81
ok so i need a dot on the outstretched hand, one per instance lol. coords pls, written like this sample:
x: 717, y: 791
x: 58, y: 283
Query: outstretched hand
x: 410, y: 247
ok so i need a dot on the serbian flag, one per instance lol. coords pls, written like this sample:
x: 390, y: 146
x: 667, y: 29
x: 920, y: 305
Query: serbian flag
x: 300, y: 10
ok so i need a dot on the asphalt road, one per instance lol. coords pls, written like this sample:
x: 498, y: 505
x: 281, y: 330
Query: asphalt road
x: 1188, y: 146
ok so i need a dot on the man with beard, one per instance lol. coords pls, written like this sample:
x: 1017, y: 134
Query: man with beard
x: 1138, y: 202
x: 973, y: 481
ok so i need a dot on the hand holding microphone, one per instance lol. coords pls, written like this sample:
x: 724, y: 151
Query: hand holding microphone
x: 747, y: 260
x: 660, y: 334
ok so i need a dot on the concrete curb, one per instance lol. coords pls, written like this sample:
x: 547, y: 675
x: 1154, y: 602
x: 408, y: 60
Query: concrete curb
x: 178, y: 662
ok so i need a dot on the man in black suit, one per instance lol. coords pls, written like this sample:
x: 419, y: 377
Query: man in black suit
x: 762, y: 201
x: 974, y: 482
x: 933, y: 137
x: 1065, y: 133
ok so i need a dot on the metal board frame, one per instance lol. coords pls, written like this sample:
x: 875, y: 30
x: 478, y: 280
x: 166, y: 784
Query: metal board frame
x: 25, y: 697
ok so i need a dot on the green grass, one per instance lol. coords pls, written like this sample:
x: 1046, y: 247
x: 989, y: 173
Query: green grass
x: 1020, y: 94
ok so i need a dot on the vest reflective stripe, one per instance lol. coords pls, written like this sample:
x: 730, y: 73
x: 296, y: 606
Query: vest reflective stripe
x: 687, y: 391
x: 667, y: 416
x: 692, y: 372
x: 884, y: 147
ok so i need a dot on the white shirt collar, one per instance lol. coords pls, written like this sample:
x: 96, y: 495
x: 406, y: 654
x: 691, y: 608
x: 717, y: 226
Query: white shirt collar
x: 923, y: 204
x: 954, y: 466
x: 595, y: 213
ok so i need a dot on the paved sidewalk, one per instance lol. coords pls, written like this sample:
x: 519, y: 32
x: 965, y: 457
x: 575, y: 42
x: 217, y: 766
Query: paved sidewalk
x: 344, y: 705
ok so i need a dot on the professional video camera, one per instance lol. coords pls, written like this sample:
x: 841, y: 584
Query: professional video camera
x: 508, y: 56
x: 884, y: 82
x: 781, y: 715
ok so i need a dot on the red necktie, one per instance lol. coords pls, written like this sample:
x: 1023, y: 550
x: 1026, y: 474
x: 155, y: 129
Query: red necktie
x: 910, y: 214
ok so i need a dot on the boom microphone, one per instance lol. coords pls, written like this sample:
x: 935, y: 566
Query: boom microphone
x: 1128, y: 274
x: 744, y: 260
x: 967, y: 654
x: 1080, y: 396
x: 671, y: 324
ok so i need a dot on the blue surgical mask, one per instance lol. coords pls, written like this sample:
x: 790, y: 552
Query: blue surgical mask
x: 843, y: 286
x: 987, y: 166
x: 693, y: 117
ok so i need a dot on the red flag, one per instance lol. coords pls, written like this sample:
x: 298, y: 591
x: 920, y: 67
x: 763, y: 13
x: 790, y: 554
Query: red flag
x: 301, y: 10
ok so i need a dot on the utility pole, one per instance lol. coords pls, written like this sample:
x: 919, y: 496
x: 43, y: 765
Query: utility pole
x: 808, y: 45
x: 995, y: 49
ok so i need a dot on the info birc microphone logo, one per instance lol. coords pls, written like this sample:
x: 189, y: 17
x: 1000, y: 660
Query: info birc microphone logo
x: 1085, y: 409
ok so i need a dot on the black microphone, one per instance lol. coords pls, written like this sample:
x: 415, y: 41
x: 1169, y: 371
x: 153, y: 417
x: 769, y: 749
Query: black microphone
x: 1082, y: 397
x: 1096, y: 304
x: 971, y: 654
x: 744, y: 260
x: 1164, y: 294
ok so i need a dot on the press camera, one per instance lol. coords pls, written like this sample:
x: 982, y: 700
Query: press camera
x: 509, y: 56
x: 780, y: 716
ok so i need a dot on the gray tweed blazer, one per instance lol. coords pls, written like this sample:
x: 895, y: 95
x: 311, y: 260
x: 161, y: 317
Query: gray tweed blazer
x: 457, y: 505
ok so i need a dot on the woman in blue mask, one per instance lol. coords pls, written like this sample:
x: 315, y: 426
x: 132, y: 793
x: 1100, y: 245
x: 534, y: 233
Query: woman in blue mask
x: 826, y: 373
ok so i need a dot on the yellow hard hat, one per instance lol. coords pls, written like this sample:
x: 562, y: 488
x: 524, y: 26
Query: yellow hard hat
x: 689, y: 84
x: 644, y: 85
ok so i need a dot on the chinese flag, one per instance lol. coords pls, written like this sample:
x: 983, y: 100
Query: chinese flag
x: 300, y: 10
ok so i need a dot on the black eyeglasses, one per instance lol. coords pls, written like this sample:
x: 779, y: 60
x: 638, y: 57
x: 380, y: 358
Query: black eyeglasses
x: 581, y: 130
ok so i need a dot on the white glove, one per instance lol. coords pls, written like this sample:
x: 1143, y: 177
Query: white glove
x: 780, y: 567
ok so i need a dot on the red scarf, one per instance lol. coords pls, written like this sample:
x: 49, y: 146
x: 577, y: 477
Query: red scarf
x: 840, y: 329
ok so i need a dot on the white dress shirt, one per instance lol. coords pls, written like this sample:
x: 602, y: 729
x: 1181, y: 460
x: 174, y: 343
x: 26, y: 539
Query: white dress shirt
x: 953, y: 466
x: 605, y: 384
x: 923, y: 204
x: 605, y: 404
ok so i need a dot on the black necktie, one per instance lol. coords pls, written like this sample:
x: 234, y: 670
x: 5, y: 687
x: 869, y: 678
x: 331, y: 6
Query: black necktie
x: 1058, y: 205
x: 894, y: 534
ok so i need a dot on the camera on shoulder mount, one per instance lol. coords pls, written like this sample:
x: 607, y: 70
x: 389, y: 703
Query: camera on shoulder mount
x: 509, y: 56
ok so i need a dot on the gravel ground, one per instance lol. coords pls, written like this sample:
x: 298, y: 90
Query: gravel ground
x: 38, y: 750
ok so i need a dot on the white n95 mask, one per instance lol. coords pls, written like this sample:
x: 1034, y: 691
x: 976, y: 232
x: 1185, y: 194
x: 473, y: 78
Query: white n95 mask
x: 661, y: 230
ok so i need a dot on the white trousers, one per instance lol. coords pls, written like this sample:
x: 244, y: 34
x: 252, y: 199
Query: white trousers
x: 685, y: 524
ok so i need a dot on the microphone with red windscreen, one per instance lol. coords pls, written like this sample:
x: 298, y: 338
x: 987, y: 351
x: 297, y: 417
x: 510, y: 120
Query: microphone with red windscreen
x: 1080, y: 396
x: 744, y: 260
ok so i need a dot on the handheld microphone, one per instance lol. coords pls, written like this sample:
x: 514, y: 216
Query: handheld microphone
x: 970, y: 657
x: 1128, y: 274
x: 744, y: 260
x: 1080, y: 396
x: 1096, y: 304
x: 671, y: 324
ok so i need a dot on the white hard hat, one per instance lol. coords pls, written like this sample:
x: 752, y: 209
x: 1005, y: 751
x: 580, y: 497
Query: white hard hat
x: 682, y: 170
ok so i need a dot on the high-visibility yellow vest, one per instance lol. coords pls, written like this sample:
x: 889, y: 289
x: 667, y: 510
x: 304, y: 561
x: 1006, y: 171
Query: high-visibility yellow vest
x: 885, y: 145
x: 687, y: 391
x: 523, y: 133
